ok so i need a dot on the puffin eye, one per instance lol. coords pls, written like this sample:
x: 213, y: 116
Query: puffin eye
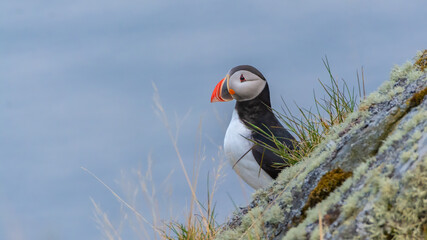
x: 242, y: 79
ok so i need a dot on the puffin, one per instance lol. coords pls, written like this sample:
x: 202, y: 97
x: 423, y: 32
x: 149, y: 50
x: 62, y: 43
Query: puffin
x: 254, y: 163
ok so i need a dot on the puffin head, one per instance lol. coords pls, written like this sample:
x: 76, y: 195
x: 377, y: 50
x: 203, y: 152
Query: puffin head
x: 242, y: 83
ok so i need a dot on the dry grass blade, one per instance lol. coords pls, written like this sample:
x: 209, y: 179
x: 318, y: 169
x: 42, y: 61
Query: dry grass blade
x: 162, y: 114
x: 110, y: 232
x: 320, y: 226
x: 139, y: 215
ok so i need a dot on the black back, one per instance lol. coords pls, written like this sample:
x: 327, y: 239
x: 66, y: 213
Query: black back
x: 257, y: 112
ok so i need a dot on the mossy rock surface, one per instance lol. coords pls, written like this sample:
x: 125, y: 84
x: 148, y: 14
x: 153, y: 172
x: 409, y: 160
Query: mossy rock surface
x: 380, y: 189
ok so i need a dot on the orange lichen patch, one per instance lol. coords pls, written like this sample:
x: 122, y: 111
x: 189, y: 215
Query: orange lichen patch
x: 422, y: 61
x: 416, y: 99
x: 327, y: 184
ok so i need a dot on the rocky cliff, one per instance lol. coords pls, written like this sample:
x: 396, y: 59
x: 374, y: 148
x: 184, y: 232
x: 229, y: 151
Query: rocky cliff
x: 366, y: 180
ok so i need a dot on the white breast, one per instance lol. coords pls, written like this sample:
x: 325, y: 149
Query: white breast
x: 236, y: 144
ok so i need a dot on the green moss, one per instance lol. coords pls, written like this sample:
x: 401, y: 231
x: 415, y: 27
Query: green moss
x: 416, y: 99
x: 327, y: 184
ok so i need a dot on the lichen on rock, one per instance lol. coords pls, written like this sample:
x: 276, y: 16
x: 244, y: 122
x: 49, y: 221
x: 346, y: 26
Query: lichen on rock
x: 383, y: 145
x: 327, y: 184
x: 421, y: 62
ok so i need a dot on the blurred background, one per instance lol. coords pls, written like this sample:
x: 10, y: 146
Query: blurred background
x: 76, y: 90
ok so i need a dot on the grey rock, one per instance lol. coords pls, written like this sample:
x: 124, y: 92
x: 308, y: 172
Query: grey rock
x: 384, y: 146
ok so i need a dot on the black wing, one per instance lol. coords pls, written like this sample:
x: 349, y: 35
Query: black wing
x: 267, y: 159
x: 258, y: 112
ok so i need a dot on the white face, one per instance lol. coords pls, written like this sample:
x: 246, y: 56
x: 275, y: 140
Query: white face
x: 245, y: 85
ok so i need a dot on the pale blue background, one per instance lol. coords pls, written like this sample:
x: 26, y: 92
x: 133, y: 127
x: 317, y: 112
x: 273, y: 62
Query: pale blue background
x: 76, y: 90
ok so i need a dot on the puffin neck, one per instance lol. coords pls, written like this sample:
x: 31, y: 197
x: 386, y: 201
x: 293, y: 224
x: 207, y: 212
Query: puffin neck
x: 254, y: 110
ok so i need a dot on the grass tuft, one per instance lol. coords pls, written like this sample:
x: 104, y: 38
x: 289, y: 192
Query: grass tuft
x: 194, y: 229
x: 310, y: 127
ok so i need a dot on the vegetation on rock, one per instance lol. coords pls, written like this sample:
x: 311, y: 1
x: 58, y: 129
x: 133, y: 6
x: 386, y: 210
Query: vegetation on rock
x: 383, y: 145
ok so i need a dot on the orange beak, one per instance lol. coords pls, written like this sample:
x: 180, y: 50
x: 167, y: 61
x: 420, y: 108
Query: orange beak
x: 221, y: 92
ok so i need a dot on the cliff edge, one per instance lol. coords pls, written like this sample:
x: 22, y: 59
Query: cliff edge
x: 366, y: 180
